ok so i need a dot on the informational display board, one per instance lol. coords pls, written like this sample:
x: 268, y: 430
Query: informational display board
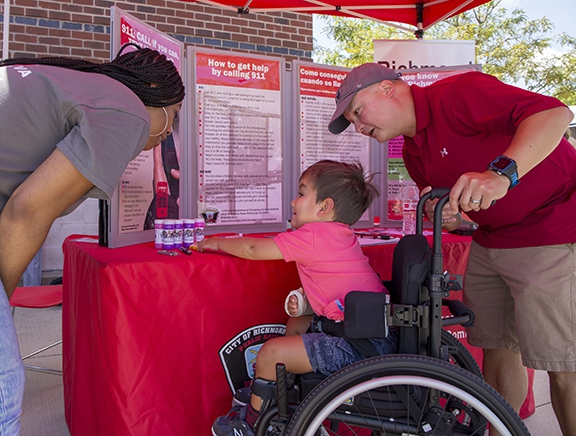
x: 237, y: 132
x: 396, y: 170
x: 150, y: 185
x: 315, y: 87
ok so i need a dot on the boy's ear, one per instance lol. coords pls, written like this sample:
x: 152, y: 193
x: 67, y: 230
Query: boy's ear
x: 327, y: 207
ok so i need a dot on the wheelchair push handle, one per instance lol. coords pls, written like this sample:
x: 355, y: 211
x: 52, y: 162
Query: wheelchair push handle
x: 442, y: 194
x: 438, y: 193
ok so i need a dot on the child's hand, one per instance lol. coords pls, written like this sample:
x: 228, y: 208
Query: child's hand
x: 292, y: 305
x: 296, y: 304
x: 206, y: 244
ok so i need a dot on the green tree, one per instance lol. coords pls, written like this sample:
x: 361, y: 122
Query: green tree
x: 508, y: 45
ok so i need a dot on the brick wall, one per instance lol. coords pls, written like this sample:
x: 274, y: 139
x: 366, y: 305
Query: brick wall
x: 81, y: 28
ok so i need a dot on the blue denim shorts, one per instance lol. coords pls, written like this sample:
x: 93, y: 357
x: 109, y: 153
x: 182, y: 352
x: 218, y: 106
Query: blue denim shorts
x: 11, y: 372
x: 329, y: 353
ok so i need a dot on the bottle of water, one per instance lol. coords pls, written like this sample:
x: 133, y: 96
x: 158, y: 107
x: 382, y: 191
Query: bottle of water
x: 410, y: 196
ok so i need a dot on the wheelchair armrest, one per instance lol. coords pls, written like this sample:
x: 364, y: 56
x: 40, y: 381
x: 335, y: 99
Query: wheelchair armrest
x: 461, y: 313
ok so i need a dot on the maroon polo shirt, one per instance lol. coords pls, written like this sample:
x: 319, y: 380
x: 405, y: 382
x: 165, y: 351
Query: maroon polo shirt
x: 465, y: 121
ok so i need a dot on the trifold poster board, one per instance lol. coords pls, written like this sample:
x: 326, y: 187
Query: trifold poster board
x: 150, y: 185
x: 237, y: 140
x: 316, y: 87
x: 256, y: 127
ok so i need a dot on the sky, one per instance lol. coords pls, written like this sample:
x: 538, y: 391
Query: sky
x: 560, y: 12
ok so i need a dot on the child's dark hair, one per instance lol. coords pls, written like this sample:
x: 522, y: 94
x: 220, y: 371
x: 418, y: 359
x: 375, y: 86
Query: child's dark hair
x: 149, y: 74
x: 346, y: 184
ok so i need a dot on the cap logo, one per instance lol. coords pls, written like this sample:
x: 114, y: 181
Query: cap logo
x: 338, y: 95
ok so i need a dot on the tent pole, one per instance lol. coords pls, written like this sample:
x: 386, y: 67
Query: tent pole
x: 6, y: 30
x: 419, y: 34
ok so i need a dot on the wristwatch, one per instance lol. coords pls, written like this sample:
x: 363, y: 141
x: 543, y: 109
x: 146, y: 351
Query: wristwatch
x: 506, y: 167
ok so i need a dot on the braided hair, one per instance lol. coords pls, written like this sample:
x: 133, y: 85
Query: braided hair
x: 149, y: 74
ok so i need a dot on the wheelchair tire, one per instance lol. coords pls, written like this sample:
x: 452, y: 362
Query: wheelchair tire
x: 411, y: 394
x: 459, y: 354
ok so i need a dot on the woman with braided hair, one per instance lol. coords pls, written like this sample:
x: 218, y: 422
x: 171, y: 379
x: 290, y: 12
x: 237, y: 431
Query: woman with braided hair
x: 68, y: 129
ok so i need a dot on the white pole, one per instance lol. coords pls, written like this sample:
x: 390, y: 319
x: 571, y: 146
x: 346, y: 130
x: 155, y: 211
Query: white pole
x: 6, y: 30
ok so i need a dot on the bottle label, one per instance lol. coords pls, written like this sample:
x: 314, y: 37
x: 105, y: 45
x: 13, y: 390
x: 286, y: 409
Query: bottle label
x: 178, y: 237
x: 162, y: 200
x: 198, y: 229
x: 158, y: 238
x: 168, y: 236
x: 188, y: 236
x: 198, y: 234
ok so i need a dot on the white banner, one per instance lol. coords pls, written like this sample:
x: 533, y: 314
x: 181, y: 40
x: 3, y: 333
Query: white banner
x: 417, y: 53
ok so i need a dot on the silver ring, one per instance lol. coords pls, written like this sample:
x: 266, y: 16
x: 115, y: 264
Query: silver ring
x: 475, y: 201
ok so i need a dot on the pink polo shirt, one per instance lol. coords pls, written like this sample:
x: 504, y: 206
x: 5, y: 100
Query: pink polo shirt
x: 465, y: 121
x: 330, y: 264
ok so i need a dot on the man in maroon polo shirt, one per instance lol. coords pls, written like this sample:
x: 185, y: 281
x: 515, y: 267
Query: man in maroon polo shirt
x: 490, y: 141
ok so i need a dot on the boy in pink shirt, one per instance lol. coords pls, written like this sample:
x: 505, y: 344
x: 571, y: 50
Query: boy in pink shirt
x: 332, y: 196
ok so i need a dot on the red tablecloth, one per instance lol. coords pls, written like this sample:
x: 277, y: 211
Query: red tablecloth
x: 142, y: 331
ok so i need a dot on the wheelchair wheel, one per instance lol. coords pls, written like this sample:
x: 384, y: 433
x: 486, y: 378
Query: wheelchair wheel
x: 403, y: 395
x: 459, y: 354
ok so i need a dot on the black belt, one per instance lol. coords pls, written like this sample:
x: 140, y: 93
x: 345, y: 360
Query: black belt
x: 321, y: 324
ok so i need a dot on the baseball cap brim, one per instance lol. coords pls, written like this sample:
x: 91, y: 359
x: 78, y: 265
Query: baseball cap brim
x: 339, y: 123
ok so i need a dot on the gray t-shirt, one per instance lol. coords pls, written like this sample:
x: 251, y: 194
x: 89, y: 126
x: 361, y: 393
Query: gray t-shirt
x: 97, y: 122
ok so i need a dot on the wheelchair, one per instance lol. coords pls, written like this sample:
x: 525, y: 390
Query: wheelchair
x: 432, y: 387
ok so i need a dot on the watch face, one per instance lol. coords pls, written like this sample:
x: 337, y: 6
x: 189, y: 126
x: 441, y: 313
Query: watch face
x: 501, y: 164
x: 506, y: 167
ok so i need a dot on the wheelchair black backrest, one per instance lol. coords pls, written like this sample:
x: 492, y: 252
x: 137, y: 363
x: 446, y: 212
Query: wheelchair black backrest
x: 411, y: 265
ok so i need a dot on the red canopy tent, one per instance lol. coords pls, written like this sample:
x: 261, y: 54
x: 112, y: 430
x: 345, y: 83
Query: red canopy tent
x: 422, y: 14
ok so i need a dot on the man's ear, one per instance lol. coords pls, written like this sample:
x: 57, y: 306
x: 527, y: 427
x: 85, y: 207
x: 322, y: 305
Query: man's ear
x: 387, y: 87
x: 327, y: 207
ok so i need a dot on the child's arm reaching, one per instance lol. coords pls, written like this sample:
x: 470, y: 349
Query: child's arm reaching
x: 247, y: 248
